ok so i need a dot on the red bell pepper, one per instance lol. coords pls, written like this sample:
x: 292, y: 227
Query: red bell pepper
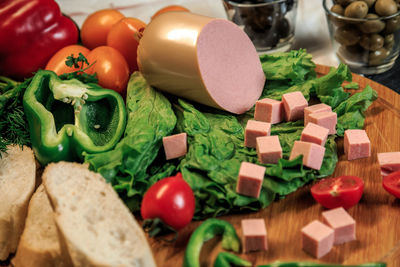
x: 31, y: 31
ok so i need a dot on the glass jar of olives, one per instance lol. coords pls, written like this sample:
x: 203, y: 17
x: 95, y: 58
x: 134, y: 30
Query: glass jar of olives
x: 269, y: 23
x: 365, y: 33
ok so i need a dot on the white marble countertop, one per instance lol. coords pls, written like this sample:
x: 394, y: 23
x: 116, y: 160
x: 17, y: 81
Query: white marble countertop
x: 311, y: 26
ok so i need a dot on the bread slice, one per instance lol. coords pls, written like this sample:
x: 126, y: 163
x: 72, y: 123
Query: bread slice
x: 39, y: 244
x: 96, y: 226
x: 17, y: 183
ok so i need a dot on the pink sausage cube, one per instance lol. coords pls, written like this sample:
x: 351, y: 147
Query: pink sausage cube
x: 313, y: 154
x: 269, y: 149
x: 255, y: 129
x: 315, y: 108
x: 389, y: 162
x: 294, y: 104
x: 324, y: 119
x: 254, y: 235
x: 342, y: 224
x: 269, y: 110
x: 356, y: 144
x: 250, y: 179
x: 314, y: 133
x: 317, y: 239
x: 175, y: 146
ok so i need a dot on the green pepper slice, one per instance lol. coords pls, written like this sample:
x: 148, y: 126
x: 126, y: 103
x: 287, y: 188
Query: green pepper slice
x: 206, y: 231
x: 67, y: 117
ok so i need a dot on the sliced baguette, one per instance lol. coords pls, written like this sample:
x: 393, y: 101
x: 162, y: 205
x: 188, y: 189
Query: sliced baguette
x: 39, y: 244
x: 17, y: 183
x: 96, y: 226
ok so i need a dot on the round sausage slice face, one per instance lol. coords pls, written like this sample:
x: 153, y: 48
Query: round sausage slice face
x: 207, y: 60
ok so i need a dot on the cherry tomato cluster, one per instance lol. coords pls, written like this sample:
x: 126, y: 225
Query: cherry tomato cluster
x: 110, y: 40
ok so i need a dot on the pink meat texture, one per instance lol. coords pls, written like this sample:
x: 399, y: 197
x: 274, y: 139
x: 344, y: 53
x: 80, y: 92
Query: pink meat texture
x: 250, y: 179
x: 175, y: 146
x: 314, y: 133
x: 324, y: 119
x: 313, y: 154
x: 254, y: 235
x: 356, y: 144
x: 315, y: 108
x: 269, y: 149
x: 255, y: 129
x: 269, y: 110
x: 342, y: 223
x: 207, y: 60
x: 294, y: 104
x: 389, y: 162
x: 317, y: 239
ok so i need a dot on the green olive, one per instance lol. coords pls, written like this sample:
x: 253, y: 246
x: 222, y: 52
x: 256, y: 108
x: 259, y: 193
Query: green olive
x: 357, y: 9
x: 385, y: 7
x: 389, y: 41
x: 344, y: 2
x: 370, y: 3
x: 372, y: 26
x: 377, y: 57
x: 392, y: 25
x: 338, y: 9
x: 372, y: 42
x: 347, y: 35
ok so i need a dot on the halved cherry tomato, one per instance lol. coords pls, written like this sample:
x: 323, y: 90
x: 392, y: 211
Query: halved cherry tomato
x: 170, y: 8
x: 111, y: 68
x: 57, y: 61
x: 124, y: 36
x: 342, y: 191
x: 95, y: 28
x: 171, y: 200
x: 391, y: 183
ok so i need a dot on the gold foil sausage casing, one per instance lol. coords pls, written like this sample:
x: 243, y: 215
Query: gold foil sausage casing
x: 207, y: 60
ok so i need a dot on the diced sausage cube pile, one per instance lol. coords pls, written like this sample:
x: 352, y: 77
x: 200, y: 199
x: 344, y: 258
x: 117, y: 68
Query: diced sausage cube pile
x: 255, y: 129
x: 313, y: 154
x: 318, y: 238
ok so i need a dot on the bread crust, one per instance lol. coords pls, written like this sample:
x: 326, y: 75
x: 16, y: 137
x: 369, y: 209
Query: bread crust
x: 39, y: 244
x: 17, y: 183
x: 94, y: 224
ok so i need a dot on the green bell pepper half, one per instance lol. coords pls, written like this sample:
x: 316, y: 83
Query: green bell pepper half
x: 68, y: 118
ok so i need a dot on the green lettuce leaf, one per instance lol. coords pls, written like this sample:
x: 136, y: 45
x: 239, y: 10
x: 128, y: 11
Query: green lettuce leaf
x: 351, y: 111
x: 294, y: 66
x: 150, y: 118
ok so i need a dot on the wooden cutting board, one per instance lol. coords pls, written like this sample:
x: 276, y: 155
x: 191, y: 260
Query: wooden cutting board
x: 377, y: 215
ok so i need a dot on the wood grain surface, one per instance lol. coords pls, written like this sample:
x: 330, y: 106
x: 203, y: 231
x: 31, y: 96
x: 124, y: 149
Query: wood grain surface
x: 377, y: 215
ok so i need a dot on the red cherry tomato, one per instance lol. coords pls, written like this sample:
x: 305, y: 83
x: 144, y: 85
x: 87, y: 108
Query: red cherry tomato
x: 391, y: 183
x: 342, y: 191
x: 170, y: 199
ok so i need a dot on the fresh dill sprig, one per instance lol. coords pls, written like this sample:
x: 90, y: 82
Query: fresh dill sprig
x: 13, y: 123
